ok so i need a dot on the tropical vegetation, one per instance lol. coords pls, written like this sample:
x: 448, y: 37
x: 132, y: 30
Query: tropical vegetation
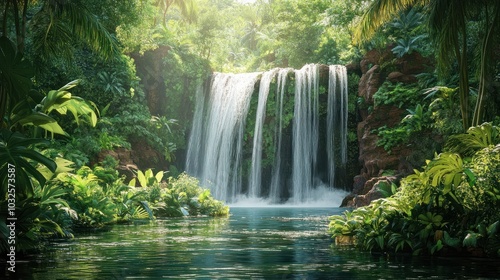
x: 450, y: 205
x: 84, y: 84
x: 447, y: 207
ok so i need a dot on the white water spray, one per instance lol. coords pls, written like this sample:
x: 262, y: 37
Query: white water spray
x: 194, y: 146
x: 305, y: 131
x: 276, y: 184
x: 222, y: 134
x: 336, y: 120
x: 254, y: 188
x: 217, y: 144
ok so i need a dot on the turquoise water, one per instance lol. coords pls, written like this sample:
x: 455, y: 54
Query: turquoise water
x: 253, y: 243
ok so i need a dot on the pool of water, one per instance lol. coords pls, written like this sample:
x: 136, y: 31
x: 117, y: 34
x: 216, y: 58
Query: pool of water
x: 253, y: 243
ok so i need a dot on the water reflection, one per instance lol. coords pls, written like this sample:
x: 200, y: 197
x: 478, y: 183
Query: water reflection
x: 253, y: 243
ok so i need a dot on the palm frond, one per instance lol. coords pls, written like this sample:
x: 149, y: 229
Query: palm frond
x: 59, y: 25
x: 378, y: 13
x: 447, y: 23
x: 476, y: 138
x: 87, y: 27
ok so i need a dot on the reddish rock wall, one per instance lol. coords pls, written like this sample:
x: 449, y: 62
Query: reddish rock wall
x: 377, y: 67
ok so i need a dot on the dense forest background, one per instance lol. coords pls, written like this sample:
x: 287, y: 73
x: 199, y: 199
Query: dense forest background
x: 140, y: 62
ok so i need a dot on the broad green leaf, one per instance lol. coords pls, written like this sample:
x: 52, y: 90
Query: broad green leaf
x: 452, y: 242
x: 148, y: 173
x: 63, y: 165
x: 159, y: 176
x: 470, y: 240
x: 132, y: 182
x: 141, y: 178
x: 70, y: 85
x: 493, y: 228
x: 457, y: 179
x: 471, y: 178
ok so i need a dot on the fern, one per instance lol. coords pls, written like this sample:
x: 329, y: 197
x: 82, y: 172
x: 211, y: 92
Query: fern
x: 476, y: 138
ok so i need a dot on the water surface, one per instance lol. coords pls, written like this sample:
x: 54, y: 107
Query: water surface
x: 253, y: 243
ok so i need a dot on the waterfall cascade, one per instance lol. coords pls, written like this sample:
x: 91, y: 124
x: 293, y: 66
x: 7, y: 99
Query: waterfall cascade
x: 227, y: 155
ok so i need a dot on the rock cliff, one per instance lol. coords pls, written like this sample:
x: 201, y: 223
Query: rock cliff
x: 377, y: 67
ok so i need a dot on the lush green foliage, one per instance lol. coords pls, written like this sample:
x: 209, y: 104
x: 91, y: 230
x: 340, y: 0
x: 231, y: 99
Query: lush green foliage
x: 44, y: 215
x: 432, y: 112
x: 182, y: 196
x: 399, y: 95
x: 239, y: 37
x: 207, y: 35
x: 453, y: 28
x: 94, y: 198
x: 17, y: 153
x: 450, y: 205
x: 417, y: 120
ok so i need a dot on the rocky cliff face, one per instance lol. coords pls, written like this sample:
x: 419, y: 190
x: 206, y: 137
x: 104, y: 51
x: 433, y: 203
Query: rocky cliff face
x: 374, y: 159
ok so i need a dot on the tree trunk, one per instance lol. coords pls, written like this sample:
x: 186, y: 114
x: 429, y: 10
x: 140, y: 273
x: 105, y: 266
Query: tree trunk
x: 464, y: 81
x: 4, y: 26
x: 485, y: 77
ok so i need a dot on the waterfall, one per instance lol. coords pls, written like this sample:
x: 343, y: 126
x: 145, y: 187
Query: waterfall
x: 254, y: 188
x: 305, y: 131
x: 222, y: 134
x: 194, y: 145
x: 227, y: 155
x: 336, y: 120
x: 274, y: 193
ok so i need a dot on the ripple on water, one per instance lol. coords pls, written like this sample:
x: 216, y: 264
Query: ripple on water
x: 265, y: 243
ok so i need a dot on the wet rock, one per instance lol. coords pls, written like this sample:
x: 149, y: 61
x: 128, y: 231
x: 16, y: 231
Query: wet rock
x: 371, y: 191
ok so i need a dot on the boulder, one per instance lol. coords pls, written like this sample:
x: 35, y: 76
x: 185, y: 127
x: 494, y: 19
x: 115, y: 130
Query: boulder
x: 126, y: 166
x: 396, y: 77
x: 375, y: 57
x: 371, y: 191
x: 369, y: 84
x: 414, y: 63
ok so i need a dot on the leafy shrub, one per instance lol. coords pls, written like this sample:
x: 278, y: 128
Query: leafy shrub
x: 392, y: 137
x: 446, y: 119
x: 399, y: 95
x: 95, y: 209
x: 451, y: 204
x: 44, y: 215
x: 184, y: 196
x: 416, y: 121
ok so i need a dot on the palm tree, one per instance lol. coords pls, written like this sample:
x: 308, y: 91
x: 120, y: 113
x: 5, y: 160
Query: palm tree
x: 56, y: 26
x: 187, y: 8
x: 448, y: 21
x: 59, y: 23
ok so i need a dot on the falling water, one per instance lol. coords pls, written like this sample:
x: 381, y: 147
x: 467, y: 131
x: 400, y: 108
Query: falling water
x: 254, y: 188
x: 274, y: 193
x: 305, y: 131
x: 336, y: 120
x: 222, y: 134
x: 194, y: 145
x: 218, y: 141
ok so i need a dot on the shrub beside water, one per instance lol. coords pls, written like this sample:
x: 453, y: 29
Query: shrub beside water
x: 450, y: 207
x: 90, y: 199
